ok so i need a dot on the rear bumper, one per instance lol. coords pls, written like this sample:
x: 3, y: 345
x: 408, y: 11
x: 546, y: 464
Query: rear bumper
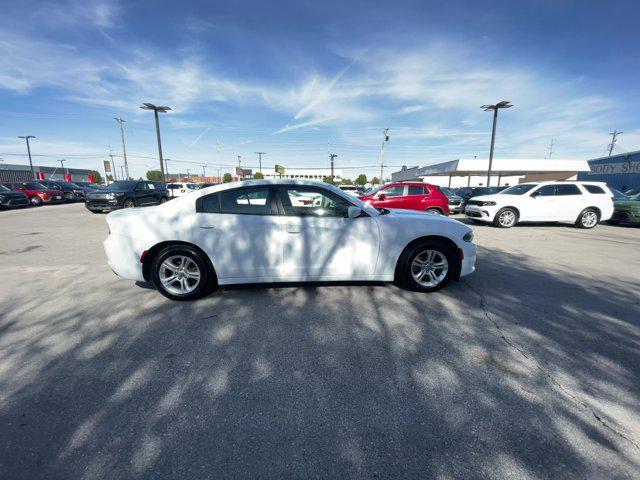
x: 123, y: 256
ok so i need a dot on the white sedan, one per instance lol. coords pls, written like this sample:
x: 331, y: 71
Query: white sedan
x: 256, y: 232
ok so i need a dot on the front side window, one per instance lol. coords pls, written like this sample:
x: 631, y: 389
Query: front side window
x: 395, y: 191
x: 546, y: 191
x: 245, y: 201
x: 566, y: 189
x: 518, y: 189
x: 312, y: 202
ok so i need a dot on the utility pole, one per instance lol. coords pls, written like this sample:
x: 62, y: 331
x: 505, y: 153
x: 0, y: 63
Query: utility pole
x: 113, y: 165
x: 204, y: 173
x: 27, y: 137
x: 122, y: 172
x: 494, y: 108
x: 239, y: 161
x: 62, y: 167
x: 260, y: 160
x: 614, y: 140
x: 550, y: 149
x: 124, y: 148
x: 188, y: 176
x: 156, y: 109
x: 331, y: 157
x: 385, y: 139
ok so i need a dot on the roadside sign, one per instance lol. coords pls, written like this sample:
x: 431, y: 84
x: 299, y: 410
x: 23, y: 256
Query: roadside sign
x: 107, y: 166
x: 280, y: 169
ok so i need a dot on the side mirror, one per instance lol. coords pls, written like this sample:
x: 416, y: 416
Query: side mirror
x: 535, y: 194
x: 382, y: 197
x: 353, y: 212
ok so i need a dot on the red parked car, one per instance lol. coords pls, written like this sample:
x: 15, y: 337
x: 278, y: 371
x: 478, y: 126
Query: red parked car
x: 37, y: 193
x: 409, y: 196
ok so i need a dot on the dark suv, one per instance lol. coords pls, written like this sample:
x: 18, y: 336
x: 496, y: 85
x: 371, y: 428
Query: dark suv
x: 126, y: 194
x: 71, y: 191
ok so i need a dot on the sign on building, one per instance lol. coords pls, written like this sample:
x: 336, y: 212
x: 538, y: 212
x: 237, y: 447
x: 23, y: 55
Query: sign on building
x: 611, y: 168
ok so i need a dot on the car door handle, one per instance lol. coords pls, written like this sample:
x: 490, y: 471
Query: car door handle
x: 207, y: 227
x: 293, y: 229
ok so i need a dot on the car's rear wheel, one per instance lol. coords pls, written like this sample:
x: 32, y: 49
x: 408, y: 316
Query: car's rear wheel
x: 505, y: 218
x: 433, y: 211
x: 36, y: 201
x: 129, y: 203
x: 163, y: 200
x: 427, y: 266
x: 181, y: 273
x: 68, y: 196
x: 589, y: 218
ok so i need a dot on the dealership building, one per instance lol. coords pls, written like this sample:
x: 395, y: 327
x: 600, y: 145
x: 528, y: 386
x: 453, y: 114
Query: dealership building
x: 472, y: 172
x: 22, y: 173
x: 618, y: 171
x: 304, y: 173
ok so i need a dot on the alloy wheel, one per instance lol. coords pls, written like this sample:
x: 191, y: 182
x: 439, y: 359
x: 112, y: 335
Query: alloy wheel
x: 429, y: 268
x: 179, y: 275
x: 507, y: 218
x: 589, y: 219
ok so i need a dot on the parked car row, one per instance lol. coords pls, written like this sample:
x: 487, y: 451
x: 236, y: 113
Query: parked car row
x: 126, y: 194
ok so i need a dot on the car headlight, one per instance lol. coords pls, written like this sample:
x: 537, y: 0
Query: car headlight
x: 487, y: 204
x: 468, y: 237
x: 2, y: 198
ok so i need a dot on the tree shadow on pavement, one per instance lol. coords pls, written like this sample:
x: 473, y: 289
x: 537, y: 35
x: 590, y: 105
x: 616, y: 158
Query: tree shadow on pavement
x: 364, y: 381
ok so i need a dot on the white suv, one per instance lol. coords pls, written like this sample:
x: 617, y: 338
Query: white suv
x: 581, y: 203
x: 178, y: 189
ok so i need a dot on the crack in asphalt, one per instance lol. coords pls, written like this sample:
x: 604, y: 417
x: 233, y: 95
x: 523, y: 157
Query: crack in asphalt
x: 551, y: 378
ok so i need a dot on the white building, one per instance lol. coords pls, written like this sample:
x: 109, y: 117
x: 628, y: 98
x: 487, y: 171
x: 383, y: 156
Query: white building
x: 504, y: 171
x: 304, y: 173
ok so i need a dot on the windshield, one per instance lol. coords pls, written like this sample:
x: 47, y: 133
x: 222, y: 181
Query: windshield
x: 34, y: 186
x: 121, y: 185
x: 518, y: 189
x: 4, y: 189
x: 446, y: 191
x: 373, y: 191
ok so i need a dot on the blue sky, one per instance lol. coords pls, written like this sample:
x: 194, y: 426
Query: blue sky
x: 295, y: 78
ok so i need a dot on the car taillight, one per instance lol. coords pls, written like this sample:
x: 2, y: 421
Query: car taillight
x: 305, y: 202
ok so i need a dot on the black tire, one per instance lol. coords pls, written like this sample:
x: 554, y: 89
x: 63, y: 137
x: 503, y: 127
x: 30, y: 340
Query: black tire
x: 163, y: 200
x: 404, y: 274
x: 129, y: 203
x: 96, y: 211
x: 69, y: 197
x: 588, y: 218
x: 613, y: 222
x: 505, y: 218
x: 434, y: 211
x: 35, y: 201
x: 207, y: 277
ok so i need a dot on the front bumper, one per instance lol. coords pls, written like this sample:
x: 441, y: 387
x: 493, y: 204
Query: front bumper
x: 481, y: 213
x: 469, y: 261
x: 54, y: 199
x: 626, y: 217
x: 102, y: 205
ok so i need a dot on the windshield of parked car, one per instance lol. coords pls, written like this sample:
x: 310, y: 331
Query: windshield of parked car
x: 446, y: 191
x: 373, y: 191
x: 4, y: 189
x: 121, y: 185
x: 518, y: 189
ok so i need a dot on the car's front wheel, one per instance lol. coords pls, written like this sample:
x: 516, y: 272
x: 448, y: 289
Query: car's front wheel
x: 68, y: 196
x: 433, y: 211
x: 129, y: 203
x: 588, y: 218
x: 36, y: 201
x: 181, y: 273
x: 428, y: 266
x: 505, y: 218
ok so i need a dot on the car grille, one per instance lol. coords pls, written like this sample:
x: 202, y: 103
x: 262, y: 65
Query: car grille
x: 473, y: 214
x: 99, y: 202
x: 454, y: 202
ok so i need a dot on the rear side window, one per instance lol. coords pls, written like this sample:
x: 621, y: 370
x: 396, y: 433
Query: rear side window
x: 417, y: 190
x: 564, y: 189
x: 246, y: 201
x: 209, y: 204
x: 594, y: 189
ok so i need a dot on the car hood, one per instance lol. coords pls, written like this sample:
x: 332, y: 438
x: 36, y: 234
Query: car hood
x: 495, y: 197
x: 101, y: 193
x: 415, y: 214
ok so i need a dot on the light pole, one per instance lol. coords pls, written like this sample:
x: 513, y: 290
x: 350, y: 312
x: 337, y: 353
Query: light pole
x: 204, y: 172
x: 124, y: 148
x: 156, y: 109
x: 27, y: 137
x: 260, y: 160
x: 331, y: 157
x: 494, y: 109
x: 62, y: 166
x: 385, y: 139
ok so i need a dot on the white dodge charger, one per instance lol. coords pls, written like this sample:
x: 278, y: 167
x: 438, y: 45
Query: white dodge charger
x: 259, y: 231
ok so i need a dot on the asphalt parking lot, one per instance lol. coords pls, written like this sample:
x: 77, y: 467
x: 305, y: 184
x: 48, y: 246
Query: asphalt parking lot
x: 529, y: 368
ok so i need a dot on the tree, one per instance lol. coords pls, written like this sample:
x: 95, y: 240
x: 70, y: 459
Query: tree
x: 361, y: 180
x: 375, y: 181
x: 109, y: 178
x: 258, y: 176
x: 346, y: 181
x: 154, y: 175
x: 327, y: 180
x: 226, y: 178
x: 97, y: 178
